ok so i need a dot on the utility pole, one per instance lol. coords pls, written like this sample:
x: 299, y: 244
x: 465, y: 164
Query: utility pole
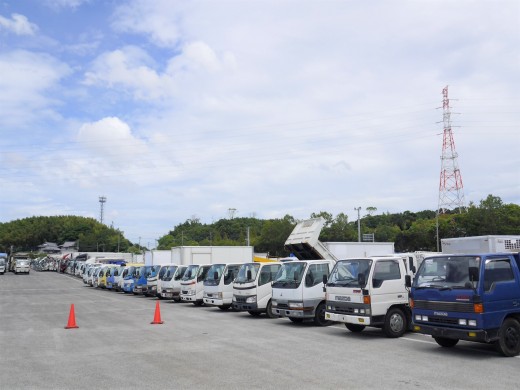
x: 358, y: 223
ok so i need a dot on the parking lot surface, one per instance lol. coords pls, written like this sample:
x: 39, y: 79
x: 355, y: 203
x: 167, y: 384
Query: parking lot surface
x: 116, y: 347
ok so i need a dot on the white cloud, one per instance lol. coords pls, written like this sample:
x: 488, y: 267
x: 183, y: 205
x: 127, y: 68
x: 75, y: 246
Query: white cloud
x: 18, y: 24
x: 59, y: 4
x: 26, y: 81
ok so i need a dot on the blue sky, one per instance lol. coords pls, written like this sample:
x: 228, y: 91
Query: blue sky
x: 183, y: 109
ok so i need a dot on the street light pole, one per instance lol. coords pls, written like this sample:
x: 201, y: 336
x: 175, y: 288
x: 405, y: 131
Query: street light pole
x: 358, y: 224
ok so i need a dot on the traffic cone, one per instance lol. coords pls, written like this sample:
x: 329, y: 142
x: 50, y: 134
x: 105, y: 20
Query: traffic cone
x: 157, y: 316
x: 72, y: 319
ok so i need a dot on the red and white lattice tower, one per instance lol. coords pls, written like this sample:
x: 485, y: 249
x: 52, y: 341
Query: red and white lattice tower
x: 451, y: 190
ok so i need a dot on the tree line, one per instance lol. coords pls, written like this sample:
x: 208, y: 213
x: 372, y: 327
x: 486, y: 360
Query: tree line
x: 410, y: 231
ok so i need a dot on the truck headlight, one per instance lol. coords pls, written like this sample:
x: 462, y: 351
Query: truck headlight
x: 251, y: 299
x: 463, y: 322
x: 472, y: 322
x: 295, y: 305
x: 274, y: 304
x: 234, y: 299
x: 191, y: 292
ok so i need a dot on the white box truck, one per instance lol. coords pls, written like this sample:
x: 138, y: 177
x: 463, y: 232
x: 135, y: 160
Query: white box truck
x: 371, y: 291
x: 199, y: 260
x: 218, y: 285
x: 252, y: 288
x: 481, y: 244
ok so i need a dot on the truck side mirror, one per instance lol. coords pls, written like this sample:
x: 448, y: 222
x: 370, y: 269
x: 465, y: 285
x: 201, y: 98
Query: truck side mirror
x: 362, y: 280
x: 408, y: 281
x: 296, y: 275
x: 325, y: 279
x: 249, y: 275
x: 215, y: 275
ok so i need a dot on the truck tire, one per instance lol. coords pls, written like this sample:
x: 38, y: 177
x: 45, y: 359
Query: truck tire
x: 319, y: 316
x: 269, y: 310
x: 445, y: 342
x: 395, y: 323
x: 355, y: 328
x: 508, y: 343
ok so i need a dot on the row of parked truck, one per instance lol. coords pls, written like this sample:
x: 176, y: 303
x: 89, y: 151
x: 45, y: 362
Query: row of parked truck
x: 471, y: 292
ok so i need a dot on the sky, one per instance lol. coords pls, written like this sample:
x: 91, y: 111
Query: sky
x: 203, y: 109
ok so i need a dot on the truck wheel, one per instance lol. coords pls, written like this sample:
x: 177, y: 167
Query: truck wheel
x: 296, y: 320
x: 254, y: 313
x: 355, y: 328
x: 395, y: 323
x: 508, y: 343
x: 445, y: 342
x: 269, y: 310
x: 319, y: 317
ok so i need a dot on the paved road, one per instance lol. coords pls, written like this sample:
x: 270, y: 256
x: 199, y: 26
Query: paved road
x: 116, y: 347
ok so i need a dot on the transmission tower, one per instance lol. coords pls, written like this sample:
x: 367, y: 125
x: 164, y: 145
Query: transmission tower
x: 451, y: 190
x: 102, y: 200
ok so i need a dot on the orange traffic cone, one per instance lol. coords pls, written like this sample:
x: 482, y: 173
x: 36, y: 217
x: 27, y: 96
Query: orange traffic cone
x: 72, y: 319
x: 157, y: 316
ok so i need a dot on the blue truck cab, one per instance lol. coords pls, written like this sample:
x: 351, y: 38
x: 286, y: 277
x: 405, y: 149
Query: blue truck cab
x: 472, y: 297
x: 141, y: 282
x: 130, y: 279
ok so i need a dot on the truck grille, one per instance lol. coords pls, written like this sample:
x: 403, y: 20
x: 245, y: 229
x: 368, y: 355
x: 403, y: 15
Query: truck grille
x: 283, y: 306
x: 443, y: 320
x: 458, y: 307
x: 240, y: 299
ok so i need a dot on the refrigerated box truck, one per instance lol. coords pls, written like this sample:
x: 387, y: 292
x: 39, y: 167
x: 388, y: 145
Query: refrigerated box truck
x: 481, y: 244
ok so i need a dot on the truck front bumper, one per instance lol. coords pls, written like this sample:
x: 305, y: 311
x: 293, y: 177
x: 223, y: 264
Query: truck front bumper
x: 283, y: 312
x: 349, y: 319
x: 240, y: 306
x: 480, y: 335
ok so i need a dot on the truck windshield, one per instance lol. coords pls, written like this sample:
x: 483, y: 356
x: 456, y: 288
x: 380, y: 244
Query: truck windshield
x: 289, y: 275
x: 169, y: 272
x: 2, y: 261
x: 211, y: 280
x: 448, y: 272
x: 191, y: 273
x: 247, y: 273
x: 346, y: 272
x: 180, y: 273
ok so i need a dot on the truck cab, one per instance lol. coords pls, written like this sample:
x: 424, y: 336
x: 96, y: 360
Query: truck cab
x: 3, y: 263
x: 131, y: 277
x: 252, y: 288
x: 171, y: 283
x: 218, y: 285
x: 192, y: 287
x: 298, y: 291
x: 154, y: 280
x: 370, y: 291
x: 472, y: 297
x: 141, y: 282
x: 22, y: 266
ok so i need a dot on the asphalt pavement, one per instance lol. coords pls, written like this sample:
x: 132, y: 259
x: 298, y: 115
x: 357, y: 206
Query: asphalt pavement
x: 116, y: 347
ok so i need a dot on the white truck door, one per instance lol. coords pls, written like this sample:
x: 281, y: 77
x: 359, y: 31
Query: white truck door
x: 387, y: 286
